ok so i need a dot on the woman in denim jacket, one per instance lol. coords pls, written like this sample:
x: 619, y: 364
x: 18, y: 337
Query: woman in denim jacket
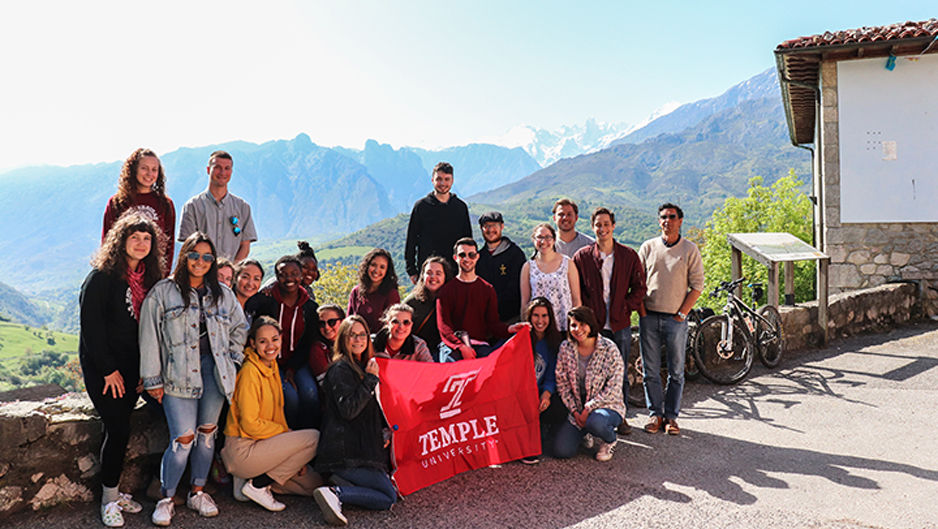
x: 192, y: 333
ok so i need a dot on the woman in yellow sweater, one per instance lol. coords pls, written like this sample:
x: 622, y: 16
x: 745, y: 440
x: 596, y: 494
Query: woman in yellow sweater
x: 260, y: 451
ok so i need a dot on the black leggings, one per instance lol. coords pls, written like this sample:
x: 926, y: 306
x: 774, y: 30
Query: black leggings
x: 115, y: 417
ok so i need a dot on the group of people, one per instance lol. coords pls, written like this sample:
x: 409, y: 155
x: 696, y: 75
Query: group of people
x: 291, y: 384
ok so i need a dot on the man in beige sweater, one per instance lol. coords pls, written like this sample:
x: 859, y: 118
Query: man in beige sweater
x: 675, y: 279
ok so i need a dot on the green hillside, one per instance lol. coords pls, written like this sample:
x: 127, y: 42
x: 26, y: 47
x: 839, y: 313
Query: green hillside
x: 32, y: 355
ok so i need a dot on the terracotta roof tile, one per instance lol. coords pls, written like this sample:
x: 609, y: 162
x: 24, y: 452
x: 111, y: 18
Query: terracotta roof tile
x: 898, y: 31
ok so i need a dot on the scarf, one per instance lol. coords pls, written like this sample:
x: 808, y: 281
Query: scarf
x: 137, y: 292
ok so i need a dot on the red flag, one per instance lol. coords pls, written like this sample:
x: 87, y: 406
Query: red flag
x: 450, y: 418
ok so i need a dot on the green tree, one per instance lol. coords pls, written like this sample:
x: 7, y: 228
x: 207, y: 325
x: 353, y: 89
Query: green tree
x: 783, y: 207
x: 335, y: 283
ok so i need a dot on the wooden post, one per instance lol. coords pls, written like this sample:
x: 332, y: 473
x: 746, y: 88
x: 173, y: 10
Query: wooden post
x: 789, y: 283
x: 736, y: 267
x: 822, y: 297
x: 773, y: 284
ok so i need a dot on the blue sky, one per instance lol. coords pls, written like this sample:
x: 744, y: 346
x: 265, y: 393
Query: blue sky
x: 91, y: 81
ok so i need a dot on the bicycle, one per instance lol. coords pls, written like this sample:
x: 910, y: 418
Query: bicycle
x: 726, y: 343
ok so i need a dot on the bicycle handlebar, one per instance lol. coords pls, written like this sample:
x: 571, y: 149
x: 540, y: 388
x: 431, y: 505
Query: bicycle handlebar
x: 726, y: 286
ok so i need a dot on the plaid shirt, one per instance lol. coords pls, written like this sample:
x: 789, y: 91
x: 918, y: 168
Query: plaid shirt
x: 603, y: 378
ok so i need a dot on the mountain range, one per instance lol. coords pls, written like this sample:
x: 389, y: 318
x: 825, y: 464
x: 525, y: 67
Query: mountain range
x: 696, y: 155
x: 296, y: 189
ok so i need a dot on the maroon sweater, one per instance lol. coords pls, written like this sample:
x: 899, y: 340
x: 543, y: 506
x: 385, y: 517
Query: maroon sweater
x: 626, y: 287
x: 371, y: 306
x: 150, y: 203
x: 470, y: 307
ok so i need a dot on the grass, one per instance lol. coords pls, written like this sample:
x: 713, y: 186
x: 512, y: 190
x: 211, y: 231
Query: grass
x: 17, y: 340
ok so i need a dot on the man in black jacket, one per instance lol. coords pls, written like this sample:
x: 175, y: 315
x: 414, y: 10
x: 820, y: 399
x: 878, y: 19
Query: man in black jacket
x: 437, y: 221
x: 500, y: 262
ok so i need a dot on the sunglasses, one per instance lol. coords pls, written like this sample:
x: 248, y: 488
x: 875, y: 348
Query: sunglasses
x: 194, y: 256
x: 668, y: 217
x: 331, y: 322
x: 405, y: 323
x: 234, y: 226
x: 470, y: 255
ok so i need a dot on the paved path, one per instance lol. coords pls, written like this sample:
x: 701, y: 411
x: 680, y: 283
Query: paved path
x: 838, y: 438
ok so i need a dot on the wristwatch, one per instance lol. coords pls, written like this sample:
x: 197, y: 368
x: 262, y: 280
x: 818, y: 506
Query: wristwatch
x: 682, y: 315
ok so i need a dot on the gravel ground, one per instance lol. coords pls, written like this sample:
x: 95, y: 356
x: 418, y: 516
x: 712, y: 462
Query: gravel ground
x: 834, y: 438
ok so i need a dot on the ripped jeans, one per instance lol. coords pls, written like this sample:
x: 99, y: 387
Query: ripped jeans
x: 188, y: 417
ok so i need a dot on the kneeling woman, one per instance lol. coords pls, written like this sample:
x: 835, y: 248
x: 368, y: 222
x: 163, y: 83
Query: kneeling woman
x: 395, y: 339
x: 352, y: 446
x: 259, y: 447
x: 589, y: 380
x: 192, y: 333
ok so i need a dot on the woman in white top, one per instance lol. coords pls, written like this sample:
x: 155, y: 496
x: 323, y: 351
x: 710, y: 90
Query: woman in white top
x: 550, y: 274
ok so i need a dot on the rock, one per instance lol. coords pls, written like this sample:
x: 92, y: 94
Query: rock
x: 881, y: 259
x: 899, y: 259
x: 867, y: 269
x: 10, y: 498
x: 59, y: 490
x: 36, y: 477
x: 86, y: 462
x: 859, y: 257
x: 4, y: 468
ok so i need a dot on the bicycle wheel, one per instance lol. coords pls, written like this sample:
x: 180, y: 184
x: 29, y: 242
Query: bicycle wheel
x: 722, y: 361
x: 770, y: 338
x: 636, y: 396
x: 691, y: 371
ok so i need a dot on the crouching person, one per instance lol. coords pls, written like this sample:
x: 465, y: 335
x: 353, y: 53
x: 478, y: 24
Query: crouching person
x: 353, y: 432
x: 260, y: 451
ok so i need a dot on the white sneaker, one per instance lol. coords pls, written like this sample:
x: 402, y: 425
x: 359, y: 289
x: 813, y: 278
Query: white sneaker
x: 163, y: 514
x: 330, y: 505
x: 588, y: 441
x: 111, y: 515
x: 127, y: 503
x: 236, y: 485
x: 203, y: 504
x: 605, y: 451
x: 262, y: 496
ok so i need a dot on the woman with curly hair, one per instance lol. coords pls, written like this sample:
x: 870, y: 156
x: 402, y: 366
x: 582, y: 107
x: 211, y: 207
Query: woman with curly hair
x: 142, y: 187
x: 125, y: 267
x: 376, y: 289
x: 192, y: 333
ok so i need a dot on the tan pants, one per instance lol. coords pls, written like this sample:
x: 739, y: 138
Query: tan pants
x: 280, y: 457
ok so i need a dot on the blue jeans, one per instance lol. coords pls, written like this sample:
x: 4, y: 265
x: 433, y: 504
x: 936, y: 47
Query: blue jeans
x: 602, y: 423
x: 373, y: 489
x: 301, y: 404
x: 448, y: 354
x: 659, y: 329
x: 185, y: 417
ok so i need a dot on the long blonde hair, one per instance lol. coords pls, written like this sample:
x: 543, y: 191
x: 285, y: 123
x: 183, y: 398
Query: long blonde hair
x: 340, y: 351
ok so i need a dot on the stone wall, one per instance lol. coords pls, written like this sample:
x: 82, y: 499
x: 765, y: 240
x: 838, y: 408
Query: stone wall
x: 49, y: 452
x: 864, y: 254
x: 868, y: 310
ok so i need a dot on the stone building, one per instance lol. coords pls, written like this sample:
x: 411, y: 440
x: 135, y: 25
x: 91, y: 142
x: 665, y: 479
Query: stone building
x: 864, y: 102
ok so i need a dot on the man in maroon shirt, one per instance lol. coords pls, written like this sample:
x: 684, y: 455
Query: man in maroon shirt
x: 467, y: 310
x: 612, y: 283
